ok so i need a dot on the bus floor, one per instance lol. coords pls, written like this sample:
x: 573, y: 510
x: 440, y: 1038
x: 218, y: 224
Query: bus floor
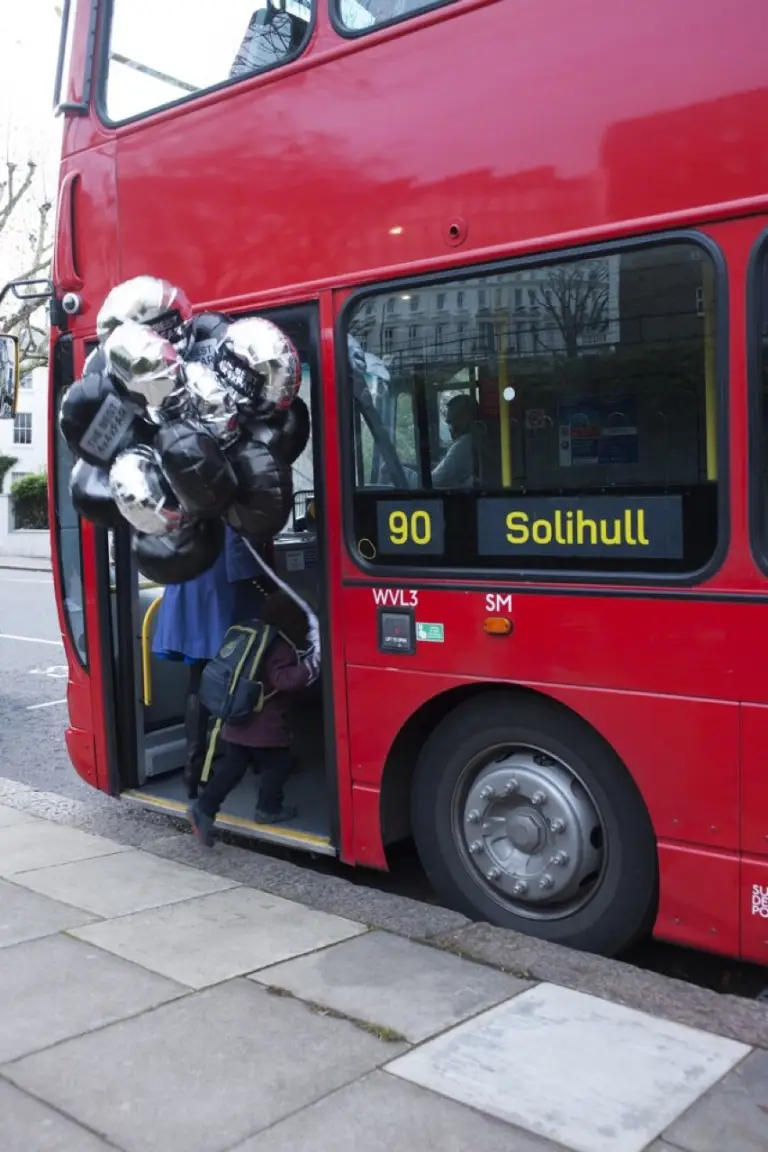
x: 306, y: 790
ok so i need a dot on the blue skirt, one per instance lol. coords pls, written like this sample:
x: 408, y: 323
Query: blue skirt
x: 194, y: 617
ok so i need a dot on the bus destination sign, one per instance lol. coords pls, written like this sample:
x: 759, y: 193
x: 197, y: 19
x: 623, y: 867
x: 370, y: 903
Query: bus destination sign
x: 410, y: 527
x: 642, y: 528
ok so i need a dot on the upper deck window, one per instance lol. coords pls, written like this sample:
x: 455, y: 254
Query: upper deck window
x: 163, y: 51
x: 365, y: 15
x: 578, y: 431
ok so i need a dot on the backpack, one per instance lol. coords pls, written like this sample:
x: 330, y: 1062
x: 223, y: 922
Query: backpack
x: 230, y: 688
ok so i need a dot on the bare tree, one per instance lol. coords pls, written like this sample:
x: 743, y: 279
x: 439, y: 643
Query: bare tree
x: 20, y: 204
x: 575, y: 298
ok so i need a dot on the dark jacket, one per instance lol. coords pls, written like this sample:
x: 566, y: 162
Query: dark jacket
x: 282, y: 673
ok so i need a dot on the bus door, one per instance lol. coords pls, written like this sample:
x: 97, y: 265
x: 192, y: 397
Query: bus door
x: 153, y: 690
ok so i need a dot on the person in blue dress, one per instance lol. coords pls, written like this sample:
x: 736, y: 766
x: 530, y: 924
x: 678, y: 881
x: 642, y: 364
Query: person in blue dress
x: 192, y: 621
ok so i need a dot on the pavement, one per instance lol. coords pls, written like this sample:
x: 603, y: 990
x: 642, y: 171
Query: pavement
x: 26, y: 563
x: 155, y: 995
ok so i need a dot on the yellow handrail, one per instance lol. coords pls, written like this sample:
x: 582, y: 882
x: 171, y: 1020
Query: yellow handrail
x: 146, y: 651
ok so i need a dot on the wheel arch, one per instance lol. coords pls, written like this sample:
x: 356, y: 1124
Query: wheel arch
x: 400, y: 764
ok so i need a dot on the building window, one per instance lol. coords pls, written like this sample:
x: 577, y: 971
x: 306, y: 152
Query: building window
x: 481, y: 299
x: 413, y: 332
x: 389, y: 339
x: 609, y: 462
x: 22, y: 428
x: 391, y: 305
x: 459, y: 299
x: 440, y: 301
x: 414, y: 303
x: 145, y: 73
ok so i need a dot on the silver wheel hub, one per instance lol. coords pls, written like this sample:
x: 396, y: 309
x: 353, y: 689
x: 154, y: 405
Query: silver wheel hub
x: 532, y: 832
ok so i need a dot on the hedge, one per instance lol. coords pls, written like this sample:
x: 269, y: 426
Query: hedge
x: 30, y: 501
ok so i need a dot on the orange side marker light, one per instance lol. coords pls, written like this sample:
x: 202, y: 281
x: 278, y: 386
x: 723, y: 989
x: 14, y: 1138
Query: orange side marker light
x: 497, y: 626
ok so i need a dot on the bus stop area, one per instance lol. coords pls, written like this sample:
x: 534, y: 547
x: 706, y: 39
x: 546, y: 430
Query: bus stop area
x: 155, y: 996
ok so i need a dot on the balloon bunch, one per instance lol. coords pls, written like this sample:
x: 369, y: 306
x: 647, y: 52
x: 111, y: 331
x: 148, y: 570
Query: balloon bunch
x: 181, y: 424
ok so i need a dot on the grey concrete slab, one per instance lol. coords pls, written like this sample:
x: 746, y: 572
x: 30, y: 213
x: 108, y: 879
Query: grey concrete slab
x: 10, y: 817
x: 589, y: 1074
x: 41, y: 844
x: 203, y: 1073
x: 216, y: 937
x: 26, y: 916
x: 380, y: 1113
x: 129, y: 881
x: 732, y: 1115
x: 525, y: 956
x: 55, y: 988
x: 29, y: 1126
x: 387, y: 980
x: 324, y: 891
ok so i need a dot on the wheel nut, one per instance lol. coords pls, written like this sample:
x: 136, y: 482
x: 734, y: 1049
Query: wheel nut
x: 546, y: 881
x: 519, y: 888
x: 557, y: 825
x: 486, y: 793
x: 493, y: 874
x: 539, y: 799
x: 473, y: 816
x: 511, y: 787
x: 475, y: 847
x: 560, y: 858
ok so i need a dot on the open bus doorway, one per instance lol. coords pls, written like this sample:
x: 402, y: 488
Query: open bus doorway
x: 154, y: 690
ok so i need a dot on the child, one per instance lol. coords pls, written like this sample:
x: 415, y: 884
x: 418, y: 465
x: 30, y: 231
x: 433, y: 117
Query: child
x: 262, y: 742
x: 193, y: 619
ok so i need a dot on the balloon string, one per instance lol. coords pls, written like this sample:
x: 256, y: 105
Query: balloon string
x: 313, y: 635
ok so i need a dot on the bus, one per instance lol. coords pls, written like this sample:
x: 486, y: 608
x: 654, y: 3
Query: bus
x: 545, y: 230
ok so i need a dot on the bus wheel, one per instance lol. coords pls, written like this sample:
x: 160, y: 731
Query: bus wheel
x: 523, y: 816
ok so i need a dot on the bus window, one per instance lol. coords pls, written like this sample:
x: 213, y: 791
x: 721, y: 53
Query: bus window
x: 190, y: 50
x: 566, y: 414
x: 760, y: 524
x: 364, y: 15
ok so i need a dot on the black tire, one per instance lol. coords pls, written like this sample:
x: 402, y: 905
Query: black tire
x: 621, y: 904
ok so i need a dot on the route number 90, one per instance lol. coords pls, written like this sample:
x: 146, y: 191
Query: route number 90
x: 410, y: 528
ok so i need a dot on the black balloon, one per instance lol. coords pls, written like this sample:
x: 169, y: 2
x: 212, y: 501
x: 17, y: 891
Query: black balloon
x: 294, y: 424
x: 181, y: 555
x: 91, y: 495
x: 285, y: 433
x: 95, y: 421
x: 196, y: 468
x: 208, y: 329
x: 264, y: 495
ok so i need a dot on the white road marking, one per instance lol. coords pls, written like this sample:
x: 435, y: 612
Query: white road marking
x: 54, y: 671
x: 29, y: 639
x: 47, y: 704
x: 18, y: 580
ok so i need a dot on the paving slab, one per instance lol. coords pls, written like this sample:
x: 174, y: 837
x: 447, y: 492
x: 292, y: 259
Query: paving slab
x: 651, y: 992
x: 55, y: 988
x: 26, y: 916
x: 129, y: 881
x: 732, y: 1115
x: 415, y: 990
x: 591, y: 1075
x: 39, y: 844
x: 29, y: 1126
x: 379, y: 1114
x: 204, y: 1073
x: 217, y: 937
x: 10, y: 817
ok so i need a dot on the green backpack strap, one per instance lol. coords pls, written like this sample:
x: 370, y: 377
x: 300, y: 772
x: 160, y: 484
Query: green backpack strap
x: 211, y: 752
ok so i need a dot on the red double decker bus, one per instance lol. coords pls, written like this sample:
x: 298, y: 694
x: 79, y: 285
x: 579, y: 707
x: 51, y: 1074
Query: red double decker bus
x: 537, y: 533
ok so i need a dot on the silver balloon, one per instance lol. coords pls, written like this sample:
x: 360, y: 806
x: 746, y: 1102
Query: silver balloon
x: 259, y: 364
x: 148, y: 300
x: 148, y: 366
x: 142, y: 494
x: 213, y: 403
